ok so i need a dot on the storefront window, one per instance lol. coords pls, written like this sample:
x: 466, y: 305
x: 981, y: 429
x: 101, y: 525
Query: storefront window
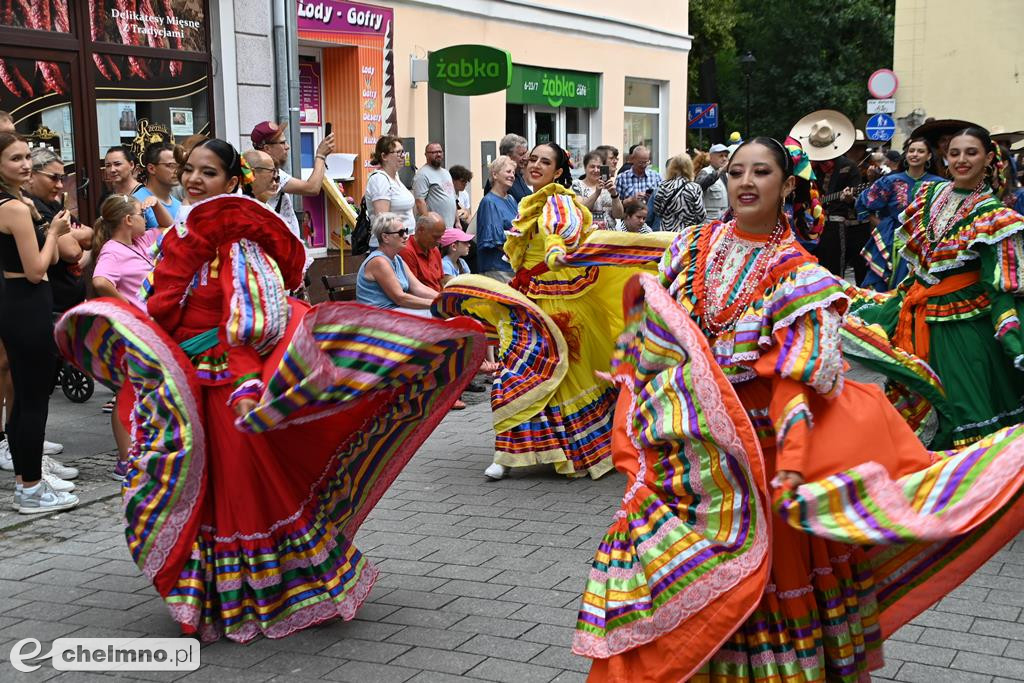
x: 40, y: 15
x: 643, y: 117
x: 154, y: 99
x: 167, y: 24
x: 577, y: 136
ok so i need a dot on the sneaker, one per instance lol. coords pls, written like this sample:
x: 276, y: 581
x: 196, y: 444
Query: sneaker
x: 58, y: 484
x: 108, y: 407
x: 44, y: 499
x: 52, y: 447
x: 6, y: 461
x: 494, y: 471
x: 58, y: 469
x: 120, y: 470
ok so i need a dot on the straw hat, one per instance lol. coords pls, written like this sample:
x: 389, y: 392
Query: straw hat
x: 824, y: 134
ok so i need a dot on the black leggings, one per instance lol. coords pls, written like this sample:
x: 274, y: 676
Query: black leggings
x: 26, y: 329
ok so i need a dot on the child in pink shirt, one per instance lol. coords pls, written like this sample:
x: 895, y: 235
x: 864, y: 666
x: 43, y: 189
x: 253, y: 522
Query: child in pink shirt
x: 125, y: 257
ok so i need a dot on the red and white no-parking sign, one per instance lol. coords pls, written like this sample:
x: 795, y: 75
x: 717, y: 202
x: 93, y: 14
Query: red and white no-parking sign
x: 883, y: 83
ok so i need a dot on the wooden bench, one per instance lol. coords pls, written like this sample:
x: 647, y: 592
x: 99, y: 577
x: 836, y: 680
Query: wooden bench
x: 340, y: 287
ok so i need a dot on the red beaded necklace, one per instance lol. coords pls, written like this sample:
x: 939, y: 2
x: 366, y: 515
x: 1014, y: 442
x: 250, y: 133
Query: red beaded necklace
x: 715, y: 278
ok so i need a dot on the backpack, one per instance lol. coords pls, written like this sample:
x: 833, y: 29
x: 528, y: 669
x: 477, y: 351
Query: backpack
x: 361, y: 233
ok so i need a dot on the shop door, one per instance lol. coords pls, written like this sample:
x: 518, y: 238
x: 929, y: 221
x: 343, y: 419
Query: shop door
x: 41, y: 91
x: 545, y: 125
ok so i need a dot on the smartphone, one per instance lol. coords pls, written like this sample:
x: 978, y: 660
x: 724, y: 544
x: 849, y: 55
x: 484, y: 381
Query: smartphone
x: 64, y: 200
x: 328, y: 128
x: 650, y: 191
x: 605, y: 173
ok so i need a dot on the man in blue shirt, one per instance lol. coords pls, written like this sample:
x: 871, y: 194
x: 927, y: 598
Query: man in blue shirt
x: 638, y: 180
x: 161, y: 177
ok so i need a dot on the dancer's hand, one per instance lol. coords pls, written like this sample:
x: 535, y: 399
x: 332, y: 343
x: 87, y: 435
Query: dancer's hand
x: 789, y: 479
x: 243, y: 406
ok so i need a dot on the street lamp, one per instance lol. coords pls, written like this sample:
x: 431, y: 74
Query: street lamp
x: 747, y: 62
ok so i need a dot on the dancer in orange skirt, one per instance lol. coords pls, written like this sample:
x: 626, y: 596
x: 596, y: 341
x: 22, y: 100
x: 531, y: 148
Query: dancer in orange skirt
x: 779, y: 519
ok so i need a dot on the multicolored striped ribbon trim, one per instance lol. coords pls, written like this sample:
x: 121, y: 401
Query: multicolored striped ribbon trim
x: 401, y: 373
x: 865, y: 506
x: 693, y: 520
x: 531, y: 348
x: 115, y: 343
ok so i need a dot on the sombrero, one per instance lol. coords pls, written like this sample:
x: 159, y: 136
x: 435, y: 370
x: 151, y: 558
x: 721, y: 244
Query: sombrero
x: 1005, y: 137
x: 933, y: 130
x: 824, y: 134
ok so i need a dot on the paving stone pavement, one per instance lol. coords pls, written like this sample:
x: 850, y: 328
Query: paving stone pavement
x: 479, y: 580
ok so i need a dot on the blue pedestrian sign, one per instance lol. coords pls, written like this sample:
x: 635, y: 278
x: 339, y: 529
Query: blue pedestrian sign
x: 702, y: 115
x: 880, y: 127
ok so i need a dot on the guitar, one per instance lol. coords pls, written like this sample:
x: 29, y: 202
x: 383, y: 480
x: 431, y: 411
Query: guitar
x: 857, y: 189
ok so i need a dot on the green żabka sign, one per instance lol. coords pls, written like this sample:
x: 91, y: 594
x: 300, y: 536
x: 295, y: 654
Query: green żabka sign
x: 469, y: 69
x: 554, y: 87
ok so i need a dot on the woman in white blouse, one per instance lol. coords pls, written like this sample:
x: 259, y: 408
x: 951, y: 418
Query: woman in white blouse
x: 598, y: 193
x: 384, y: 191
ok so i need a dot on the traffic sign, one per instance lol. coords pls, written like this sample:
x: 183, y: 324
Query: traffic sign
x: 886, y: 106
x: 702, y: 115
x: 880, y: 127
x: 883, y: 83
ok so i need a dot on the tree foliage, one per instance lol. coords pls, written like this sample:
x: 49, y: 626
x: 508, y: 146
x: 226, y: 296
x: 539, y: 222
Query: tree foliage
x: 712, y: 23
x: 811, y: 54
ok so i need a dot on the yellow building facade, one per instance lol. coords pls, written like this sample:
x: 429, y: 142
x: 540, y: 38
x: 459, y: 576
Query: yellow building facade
x: 959, y: 60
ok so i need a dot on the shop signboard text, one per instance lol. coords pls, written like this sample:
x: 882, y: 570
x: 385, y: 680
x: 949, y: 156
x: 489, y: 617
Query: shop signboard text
x: 333, y: 16
x: 470, y: 69
x: 553, y: 87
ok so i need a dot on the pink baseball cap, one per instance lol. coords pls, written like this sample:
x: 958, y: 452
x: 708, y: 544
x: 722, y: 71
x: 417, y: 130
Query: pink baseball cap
x: 453, y: 235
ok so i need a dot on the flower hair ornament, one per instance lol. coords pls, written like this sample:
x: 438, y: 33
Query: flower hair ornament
x: 248, y: 177
x: 808, y: 215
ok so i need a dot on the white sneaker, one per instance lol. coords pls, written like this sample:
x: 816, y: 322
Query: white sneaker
x: 44, y: 499
x: 58, y: 469
x: 52, y: 447
x: 495, y: 471
x: 58, y: 484
x: 6, y: 461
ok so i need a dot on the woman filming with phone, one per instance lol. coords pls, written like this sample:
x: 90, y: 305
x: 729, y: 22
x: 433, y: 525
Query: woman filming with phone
x: 596, y: 191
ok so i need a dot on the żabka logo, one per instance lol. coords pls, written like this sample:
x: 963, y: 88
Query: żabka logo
x: 469, y: 69
x: 464, y: 72
x: 109, y: 654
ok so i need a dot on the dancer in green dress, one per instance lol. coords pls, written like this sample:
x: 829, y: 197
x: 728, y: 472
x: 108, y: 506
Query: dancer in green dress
x: 959, y: 308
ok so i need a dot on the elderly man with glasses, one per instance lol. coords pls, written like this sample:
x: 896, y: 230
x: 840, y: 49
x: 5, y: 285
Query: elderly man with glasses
x: 266, y: 177
x: 638, y: 180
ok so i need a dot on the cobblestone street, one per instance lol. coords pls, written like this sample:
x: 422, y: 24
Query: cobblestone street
x: 478, y: 580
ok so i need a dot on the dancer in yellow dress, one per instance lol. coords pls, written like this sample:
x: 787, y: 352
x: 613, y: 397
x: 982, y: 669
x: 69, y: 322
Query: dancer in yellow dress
x: 555, y: 326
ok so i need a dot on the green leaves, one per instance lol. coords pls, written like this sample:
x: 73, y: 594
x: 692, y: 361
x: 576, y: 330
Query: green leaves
x: 811, y: 54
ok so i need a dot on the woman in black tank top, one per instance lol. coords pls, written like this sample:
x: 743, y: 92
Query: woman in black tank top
x: 26, y: 327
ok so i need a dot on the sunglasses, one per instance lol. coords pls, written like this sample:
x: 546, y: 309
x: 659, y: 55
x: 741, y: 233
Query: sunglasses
x: 55, y: 177
x: 404, y: 232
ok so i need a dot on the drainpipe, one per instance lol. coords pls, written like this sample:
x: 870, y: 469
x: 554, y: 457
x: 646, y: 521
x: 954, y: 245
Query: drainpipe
x: 286, y: 76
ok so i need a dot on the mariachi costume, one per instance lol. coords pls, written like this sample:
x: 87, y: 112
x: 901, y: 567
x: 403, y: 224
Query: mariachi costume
x: 729, y: 372
x: 245, y: 525
x: 959, y: 310
x: 555, y: 328
x: 887, y: 198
